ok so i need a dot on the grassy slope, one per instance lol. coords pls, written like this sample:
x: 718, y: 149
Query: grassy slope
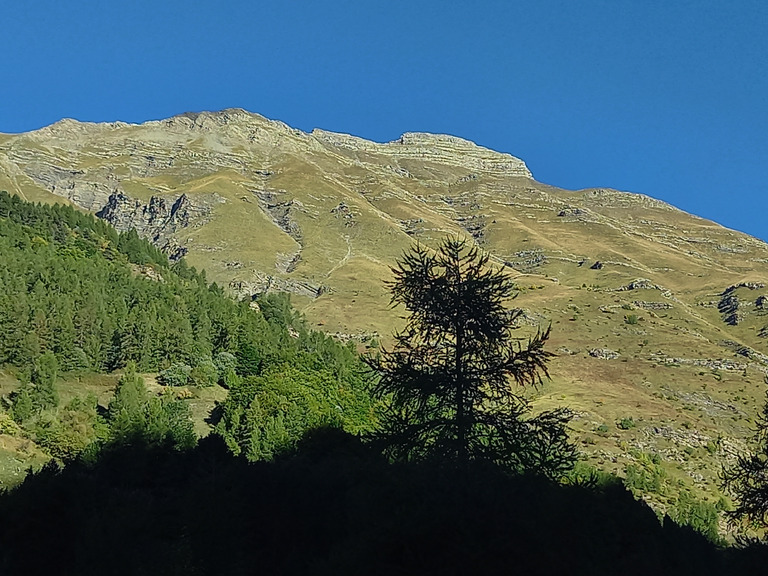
x: 679, y: 409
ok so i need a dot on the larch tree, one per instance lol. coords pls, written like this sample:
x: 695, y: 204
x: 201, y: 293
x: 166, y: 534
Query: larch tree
x: 747, y: 479
x: 452, y: 383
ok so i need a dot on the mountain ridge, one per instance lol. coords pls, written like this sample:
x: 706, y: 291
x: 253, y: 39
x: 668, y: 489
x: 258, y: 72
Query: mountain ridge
x: 656, y: 314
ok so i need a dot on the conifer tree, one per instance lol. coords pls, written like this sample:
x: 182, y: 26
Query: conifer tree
x: 44, y: 376
x: 747, y: 479
x: 22, y: 403
x: 449, y: 381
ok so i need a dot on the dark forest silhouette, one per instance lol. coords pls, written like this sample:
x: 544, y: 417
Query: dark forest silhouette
x: 334, y: 506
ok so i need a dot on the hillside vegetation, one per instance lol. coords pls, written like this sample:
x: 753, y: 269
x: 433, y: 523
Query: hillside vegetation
x: 287, y: 482
x: 659, y: 318
x: 80, y: 300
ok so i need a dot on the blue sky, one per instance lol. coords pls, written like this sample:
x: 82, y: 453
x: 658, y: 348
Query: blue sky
x: 667, y: 98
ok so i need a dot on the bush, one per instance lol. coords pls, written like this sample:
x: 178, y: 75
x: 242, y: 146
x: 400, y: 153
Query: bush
x: 204, y: 374
x: 224, y: 361
x: 22, y: 403
x: 626, y: 423
x: 175, y: 375
x: 8, y: 426
x: 136, y: 417
x: 69, y: 431
x: 646, y: 476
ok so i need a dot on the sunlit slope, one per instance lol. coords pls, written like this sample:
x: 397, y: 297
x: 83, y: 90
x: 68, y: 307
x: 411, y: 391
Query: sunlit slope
x: 656, y: 314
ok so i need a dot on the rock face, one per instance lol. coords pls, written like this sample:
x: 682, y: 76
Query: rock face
x: 71, y: 184
x: 157, y: 220
x: 428, y: 148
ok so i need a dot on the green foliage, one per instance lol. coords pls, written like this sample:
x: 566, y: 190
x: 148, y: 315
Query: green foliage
x: 447, y: 381
x: 266, y: 415
x: 224, y: 362
x: 23, y: 406
x: 630, y: 319
x: 277, y: 309
x: 75, y: 288
x: 584, y: 474
x: 8, y: 426
x: 312, y: 381
x: 79, y: 296
x: 44, y: 376
x: 175, y: 375
x: 66, y: 433
x: 204, y: 374
x: 626, y: 423
x: 700, y: 515
x: 646, y: 474
x: 136, y: 417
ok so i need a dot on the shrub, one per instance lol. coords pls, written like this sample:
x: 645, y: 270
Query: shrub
x: 700, y: 515
x: 175, y: 375
x: 602, y: 430
x: 646, y: 475
x: 204, y: 374
x: 70, y: 430
x: 8, y: 426
x: 224, y: 361
x: 626, y: 423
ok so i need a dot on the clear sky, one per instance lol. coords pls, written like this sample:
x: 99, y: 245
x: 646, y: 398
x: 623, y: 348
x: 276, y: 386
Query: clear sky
x: 664, y: 97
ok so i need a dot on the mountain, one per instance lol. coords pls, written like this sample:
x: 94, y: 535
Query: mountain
x: 659, y: 318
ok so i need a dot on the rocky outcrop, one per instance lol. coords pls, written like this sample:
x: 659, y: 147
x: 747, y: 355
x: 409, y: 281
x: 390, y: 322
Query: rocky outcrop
x: 604, y: 353
x: 436, y: 148
x: 157, y: 220
x: 527, y: 260
x: 652, y: 305
x: 748, y: 285
x: 75, y: 185
x: 264, y: 283
x: 639, y: 284
x: 280, y: 211
x: 734, y: 309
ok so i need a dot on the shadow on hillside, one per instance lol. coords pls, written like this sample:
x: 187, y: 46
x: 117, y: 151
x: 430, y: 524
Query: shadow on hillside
x: 333, y: 507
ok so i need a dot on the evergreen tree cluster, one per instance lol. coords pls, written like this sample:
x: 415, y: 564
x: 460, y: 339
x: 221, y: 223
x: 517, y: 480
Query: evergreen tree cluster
x: 96, y: 299
x: 320, y: 383
x: 78, y: 296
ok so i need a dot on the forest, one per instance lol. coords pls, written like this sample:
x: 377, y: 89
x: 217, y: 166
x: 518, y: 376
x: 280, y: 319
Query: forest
x: 319, y: 460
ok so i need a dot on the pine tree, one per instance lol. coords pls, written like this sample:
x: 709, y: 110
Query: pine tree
x: 44, y: 376
x: 22, y: 403
x: 448, y: 381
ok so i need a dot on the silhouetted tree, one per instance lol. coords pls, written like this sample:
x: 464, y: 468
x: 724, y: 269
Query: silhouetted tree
x: 747, y: 480
x: 448, y: 382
